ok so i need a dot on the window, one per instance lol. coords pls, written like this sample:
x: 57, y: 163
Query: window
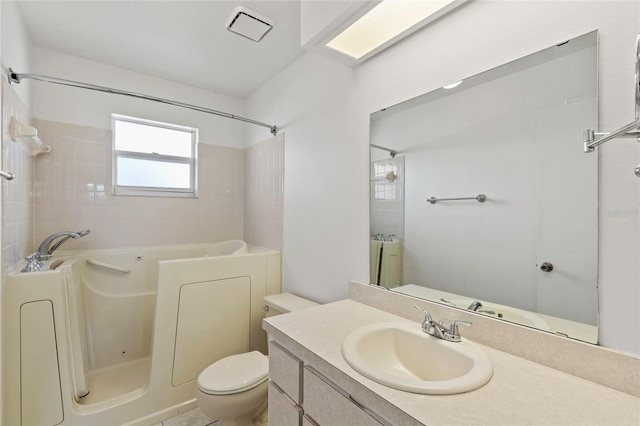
x: 152, y: 158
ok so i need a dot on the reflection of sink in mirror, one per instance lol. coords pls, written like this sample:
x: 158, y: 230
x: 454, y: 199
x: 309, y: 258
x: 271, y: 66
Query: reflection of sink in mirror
x: 504, y: 312
x: 560, y: 326
x: 402, y: 356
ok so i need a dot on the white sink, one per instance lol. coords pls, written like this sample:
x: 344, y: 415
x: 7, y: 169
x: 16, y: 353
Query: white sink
x: 402, y: 356
x: 507, y: 313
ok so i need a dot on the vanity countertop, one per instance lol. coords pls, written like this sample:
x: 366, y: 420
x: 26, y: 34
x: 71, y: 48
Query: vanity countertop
x: 521, y: 392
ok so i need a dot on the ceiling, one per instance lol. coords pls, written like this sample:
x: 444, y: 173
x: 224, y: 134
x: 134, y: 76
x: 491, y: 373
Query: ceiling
x: 184, y: 41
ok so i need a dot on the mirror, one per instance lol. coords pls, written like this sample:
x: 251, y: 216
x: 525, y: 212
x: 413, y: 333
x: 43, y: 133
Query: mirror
x: 482, y: 197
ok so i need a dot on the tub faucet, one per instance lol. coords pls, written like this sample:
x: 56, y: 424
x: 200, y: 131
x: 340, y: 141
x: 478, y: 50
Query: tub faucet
x: 44, y: 252
x: 46, y: 249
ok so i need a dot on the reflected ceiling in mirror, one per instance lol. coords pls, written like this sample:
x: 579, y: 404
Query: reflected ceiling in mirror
x: 488, y: 202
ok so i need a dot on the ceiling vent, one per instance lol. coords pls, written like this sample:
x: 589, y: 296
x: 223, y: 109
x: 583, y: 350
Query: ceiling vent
x: 249, y: 24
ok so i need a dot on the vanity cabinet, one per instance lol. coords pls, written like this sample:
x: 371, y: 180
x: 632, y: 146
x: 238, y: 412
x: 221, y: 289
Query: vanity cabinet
x: 282, y: 410
x: 300, y: 395
x: 285, y: 390
x: 333, y: 394
x: 326, y: 404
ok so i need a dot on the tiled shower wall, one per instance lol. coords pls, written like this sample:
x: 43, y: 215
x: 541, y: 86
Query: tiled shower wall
x: 17, y: 205
x: 73, y: 192
x: 70, y: 189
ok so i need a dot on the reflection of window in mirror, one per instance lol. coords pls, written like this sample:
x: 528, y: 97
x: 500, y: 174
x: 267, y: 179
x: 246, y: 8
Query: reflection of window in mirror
x: 385, y: 191
x: 387, y: 196
x: 387, y: 221
x: 387, y: 175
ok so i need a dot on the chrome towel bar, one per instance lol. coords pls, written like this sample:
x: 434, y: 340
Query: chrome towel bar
x: 7, y: 175
x: 481, y: 198
x: 591, y: 139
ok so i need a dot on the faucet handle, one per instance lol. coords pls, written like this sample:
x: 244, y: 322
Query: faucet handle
x: 427, y: 322
x: 33, y: 263
x: 453, y: 328
x: 427, y: 315
x: 32, y: 256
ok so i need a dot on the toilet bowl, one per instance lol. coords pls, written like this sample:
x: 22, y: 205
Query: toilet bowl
x: 234, y: 389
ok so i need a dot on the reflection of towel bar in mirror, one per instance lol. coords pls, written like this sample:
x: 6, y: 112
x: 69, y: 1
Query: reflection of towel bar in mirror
x: 481, y: 198
x: 592, y: 139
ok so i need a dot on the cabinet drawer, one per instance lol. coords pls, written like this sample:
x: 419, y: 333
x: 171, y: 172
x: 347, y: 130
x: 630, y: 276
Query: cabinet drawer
x: 328, y: 406
x: 282, y: 410
x: 286, y: 371
x: 308, y: 421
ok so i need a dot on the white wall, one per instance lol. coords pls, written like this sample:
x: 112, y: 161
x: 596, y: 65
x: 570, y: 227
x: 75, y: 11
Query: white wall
x: 16, y: 47
x: 324, y: 110
x: 93, y: 109
x: 326, y: 175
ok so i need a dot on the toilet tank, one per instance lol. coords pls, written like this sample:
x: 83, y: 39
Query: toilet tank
x: 282, y: 303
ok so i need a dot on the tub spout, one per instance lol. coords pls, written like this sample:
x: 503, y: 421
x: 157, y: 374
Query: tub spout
x: 46, y: 249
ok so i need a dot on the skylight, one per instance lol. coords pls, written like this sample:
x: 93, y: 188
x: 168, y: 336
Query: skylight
x: 388, y: 20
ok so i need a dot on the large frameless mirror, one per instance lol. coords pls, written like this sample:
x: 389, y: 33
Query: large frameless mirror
x: 482, y: 197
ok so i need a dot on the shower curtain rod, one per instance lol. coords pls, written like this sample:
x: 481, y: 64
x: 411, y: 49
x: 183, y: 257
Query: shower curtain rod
x: 17, y: 78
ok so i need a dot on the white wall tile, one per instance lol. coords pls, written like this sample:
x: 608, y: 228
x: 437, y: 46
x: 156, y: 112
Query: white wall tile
x: 69, y: 189
x: 17, y: 195
x: 73, y: 193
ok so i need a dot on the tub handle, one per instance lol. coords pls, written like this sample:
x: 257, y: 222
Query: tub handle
x: 108, y: 266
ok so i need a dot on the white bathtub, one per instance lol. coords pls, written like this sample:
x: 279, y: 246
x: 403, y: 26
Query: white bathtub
x: 108, y: 337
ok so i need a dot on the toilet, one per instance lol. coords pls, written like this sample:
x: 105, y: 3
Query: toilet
x: 234, y: 389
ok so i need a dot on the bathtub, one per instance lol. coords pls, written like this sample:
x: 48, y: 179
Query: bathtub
x: 112, y: 337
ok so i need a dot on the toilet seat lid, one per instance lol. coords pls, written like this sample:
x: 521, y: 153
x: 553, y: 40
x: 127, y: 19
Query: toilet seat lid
x: 235, y: 373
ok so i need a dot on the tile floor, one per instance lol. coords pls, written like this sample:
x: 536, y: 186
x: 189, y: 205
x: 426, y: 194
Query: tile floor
x: 194, y: 417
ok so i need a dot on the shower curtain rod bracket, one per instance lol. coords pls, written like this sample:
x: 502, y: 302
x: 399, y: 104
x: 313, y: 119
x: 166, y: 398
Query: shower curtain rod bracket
x: 17, y: 78
x: 13, y: 77
x: 392, y: 152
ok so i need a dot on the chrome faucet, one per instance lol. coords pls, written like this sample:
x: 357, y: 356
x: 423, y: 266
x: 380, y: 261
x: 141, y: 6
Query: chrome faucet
x: 475, y: 306
x: 44, y: 252
x: 46, y: 249
x: 437, y: 329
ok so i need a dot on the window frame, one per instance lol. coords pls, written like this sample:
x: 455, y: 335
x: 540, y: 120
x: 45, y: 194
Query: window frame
x: 155, y: 191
